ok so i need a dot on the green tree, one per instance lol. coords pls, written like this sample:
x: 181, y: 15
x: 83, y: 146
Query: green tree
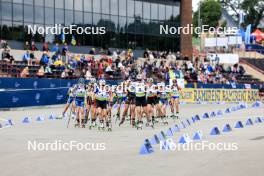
x: 253, y: 10
x: 210, y: 13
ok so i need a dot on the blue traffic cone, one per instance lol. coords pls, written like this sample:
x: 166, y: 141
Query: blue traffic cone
x: 197, y: 117
x: 176, y: 128
x: 40, y: 119
x: 205, y: 116
x: 51, y: 117
x: 197, y: 136
x: 227, y: 128
x: 169, y: 132
x: 188, y: 122
x: 239, y: 125
x: 183, y: 139
x: 249, y: 122
x: 212, y: 114
x: 155, y: 140
x: 219, y: 113
x: 146, y: 148
x: 26, y: 120
x: 258, y: 120
x: 183, y: 125
x: 227, y: 110
x: 215, y: 131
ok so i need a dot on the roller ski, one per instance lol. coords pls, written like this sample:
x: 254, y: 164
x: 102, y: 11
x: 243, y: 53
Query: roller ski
x: 139, y: 125
x: 154, y: 120
x: 164, y: 121
x: 150, y: 124
x: 109, y: 126
x: 92, y: 125
x: 177, y: 115
x: 101, y: 126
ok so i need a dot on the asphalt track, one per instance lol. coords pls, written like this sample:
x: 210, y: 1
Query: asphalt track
x: 121, y: 156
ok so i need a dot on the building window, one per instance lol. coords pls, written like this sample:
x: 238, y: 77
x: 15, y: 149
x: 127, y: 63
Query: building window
x: 17, y: 12
x: 59, y: 16
x: 28, y: 13
x: 6, y: 11
x: 39, y: 14
x: 78, y: 5
x: 114, y: 7
x: 162, y: 12
x: 49, y: 3
x: 49, y: 15
x: 138, y: 9
x: 88, y: 18
x: 154, y: 11
x: 169, y: 13
x: 105, y: 7
x: 130, y: 8
x: 69, y: 4
x: 78, y: 17
x: 87, y: 5
x: 146, y: 10
x: 68, y: 17
x: 122, y: 8
x: 97, y: 6
x: 59, y: 4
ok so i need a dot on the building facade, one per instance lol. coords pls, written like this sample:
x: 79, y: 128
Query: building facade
x: 131, y: 24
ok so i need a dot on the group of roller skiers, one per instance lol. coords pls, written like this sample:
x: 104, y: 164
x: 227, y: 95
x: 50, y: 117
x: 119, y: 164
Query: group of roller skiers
x: 134, y: 100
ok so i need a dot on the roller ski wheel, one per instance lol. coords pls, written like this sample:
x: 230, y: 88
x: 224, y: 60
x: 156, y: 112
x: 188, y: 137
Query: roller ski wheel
x: 90, y: 127
x: 139, y: 128
x: 148, y: 124
x: 165, y: 123
x: 76, y: 125
x: 109, y: 129
x: 83, y: 125
x: 101, y: 128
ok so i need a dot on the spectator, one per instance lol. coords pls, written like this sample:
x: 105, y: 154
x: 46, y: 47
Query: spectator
x: 44, y: 59
x: 33, y: 46
x: 45, y: 47
x: 25, y: 73
x: 26, y: 58
x: 41, y: 72
x: 26, y: 46
x: 6, y: 56
x: 56, y: 48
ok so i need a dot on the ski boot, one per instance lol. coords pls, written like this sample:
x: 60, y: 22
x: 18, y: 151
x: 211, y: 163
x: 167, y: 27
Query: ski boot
x: 154, y: 120
x: 122, y: 121
x: 82, y: 123
x: 139, y: 125
x: 164, y: 121
x: 101, y: 126
x: 177, y: 115
x: 117, y: 117
x: 73, y: 116
x: 77, y: 124
x: 109, y: 126
x: 133, y: 123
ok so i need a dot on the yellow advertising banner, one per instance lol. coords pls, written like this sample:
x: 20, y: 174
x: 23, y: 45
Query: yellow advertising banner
x: 191, y: 95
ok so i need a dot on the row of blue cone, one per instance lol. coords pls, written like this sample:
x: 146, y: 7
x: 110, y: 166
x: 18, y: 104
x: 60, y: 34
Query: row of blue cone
x: 198, y: 135
x: 25, y: 120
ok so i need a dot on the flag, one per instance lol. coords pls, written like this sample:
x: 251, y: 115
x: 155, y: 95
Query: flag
x: 62, y: 38
x: 241, y: 17
x: 247, y: 34
x: 73, y: 41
